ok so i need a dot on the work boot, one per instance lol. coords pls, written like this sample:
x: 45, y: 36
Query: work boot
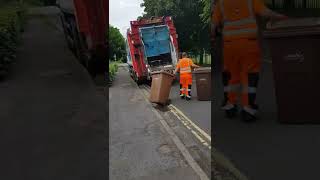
x: 249, y: 117
x: 188, y: 98
x: 231, y: 113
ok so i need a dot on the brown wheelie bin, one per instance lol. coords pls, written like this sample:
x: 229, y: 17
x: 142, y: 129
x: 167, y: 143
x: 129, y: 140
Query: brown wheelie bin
x: 160, y: 87
x: 295, y: 52
x: 203, y: 83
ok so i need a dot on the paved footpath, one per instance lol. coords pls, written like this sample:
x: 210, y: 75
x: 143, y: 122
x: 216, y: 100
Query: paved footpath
x: 140, y: 147
x: 52, y: 119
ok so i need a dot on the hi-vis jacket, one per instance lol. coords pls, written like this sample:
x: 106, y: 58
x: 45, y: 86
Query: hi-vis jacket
x: 238, y: 17
x: 185, y: 66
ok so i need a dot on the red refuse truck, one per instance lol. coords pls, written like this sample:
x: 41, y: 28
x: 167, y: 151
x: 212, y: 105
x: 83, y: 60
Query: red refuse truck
x: 85, y: 25
x: 152, y: 45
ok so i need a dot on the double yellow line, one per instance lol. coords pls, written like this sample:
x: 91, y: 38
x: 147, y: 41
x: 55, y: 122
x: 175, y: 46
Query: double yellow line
x: 200, y: 134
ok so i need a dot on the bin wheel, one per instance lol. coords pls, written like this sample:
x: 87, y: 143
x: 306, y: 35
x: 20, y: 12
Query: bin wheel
x: 168, y: 102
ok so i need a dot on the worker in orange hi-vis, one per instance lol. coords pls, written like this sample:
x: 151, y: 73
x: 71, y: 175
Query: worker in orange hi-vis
x: 236, y: 19
x: 185, y: 66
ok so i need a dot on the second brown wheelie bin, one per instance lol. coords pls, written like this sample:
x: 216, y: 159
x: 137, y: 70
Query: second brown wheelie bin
x: 295, y: 51
x: 203, y: 83
x: 160, y: 87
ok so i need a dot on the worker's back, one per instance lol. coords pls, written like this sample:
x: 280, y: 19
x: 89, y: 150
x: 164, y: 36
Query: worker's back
x: 185, y: 62
x: 238, y: 17
x: 185, y: 65
x: 236, y: 9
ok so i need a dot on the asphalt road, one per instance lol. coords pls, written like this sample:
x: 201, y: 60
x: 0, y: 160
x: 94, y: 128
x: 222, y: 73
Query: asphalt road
x: 139, y: 146
x: 198, y: 111
x: 266, y: 149
x: 53, y: 119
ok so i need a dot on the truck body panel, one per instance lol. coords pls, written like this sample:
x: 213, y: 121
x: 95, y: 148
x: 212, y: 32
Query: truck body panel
x: 151, y: 45
x: 90, y: 37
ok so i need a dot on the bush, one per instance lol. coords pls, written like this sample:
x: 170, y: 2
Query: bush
x: 11, y: 26
x: 113, y: 68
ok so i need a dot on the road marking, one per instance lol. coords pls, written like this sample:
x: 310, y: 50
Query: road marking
x: 224, y: 162
x: 194, y: 165
x: 208, y: 137
x: 186, y: 124
x: 218, y: 157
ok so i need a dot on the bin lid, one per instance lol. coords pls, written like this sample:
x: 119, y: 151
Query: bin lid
x: 202, y: 70
x: 295, y: 23
x: 293, y: 27
x: 161, y: 72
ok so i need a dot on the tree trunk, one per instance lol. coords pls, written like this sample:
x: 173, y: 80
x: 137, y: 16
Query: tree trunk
x: 201, y: 58
x: 289, y: 4
x: 304, y: 3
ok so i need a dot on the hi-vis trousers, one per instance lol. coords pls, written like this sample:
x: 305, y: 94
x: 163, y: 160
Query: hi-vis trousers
x: 241, y: 72
x: 185, y: 85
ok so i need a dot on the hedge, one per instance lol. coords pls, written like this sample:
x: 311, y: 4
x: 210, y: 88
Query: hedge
x: 11, y: 26
x: 113, y: 68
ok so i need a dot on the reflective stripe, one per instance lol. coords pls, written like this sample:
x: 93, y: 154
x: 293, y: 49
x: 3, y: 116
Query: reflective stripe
x: 249, y: 90
x: 240, y: 22
x: 250, y: 20
x: 240, y: 31
x: 250, y: 110
x: 231, y: 88
x: 227, y: 107
x: 189, y: 90
x: 185, y: 70
x: 182, y: 89
x: 181, y: 95
x: 188, y: 96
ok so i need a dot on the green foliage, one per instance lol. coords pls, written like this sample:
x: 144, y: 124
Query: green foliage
x: 117, y: 46
x: 34, y: 2
x: 206, y: 14
x: 113, y: 68
x: 40, y: 2
x: 11, y: 26
x: 191, y: 18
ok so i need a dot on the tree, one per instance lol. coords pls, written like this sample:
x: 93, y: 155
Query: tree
x: 206, y: 13
x: 117, y: 46
x: 190, y: 18
x: 288, y: 4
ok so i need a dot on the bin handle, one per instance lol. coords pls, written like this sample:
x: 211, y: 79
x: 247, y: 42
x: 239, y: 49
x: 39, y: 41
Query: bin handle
x: 202, y: 81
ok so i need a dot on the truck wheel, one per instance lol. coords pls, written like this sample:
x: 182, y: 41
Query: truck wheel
x: 139, y: 82
x: 136, y: 79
